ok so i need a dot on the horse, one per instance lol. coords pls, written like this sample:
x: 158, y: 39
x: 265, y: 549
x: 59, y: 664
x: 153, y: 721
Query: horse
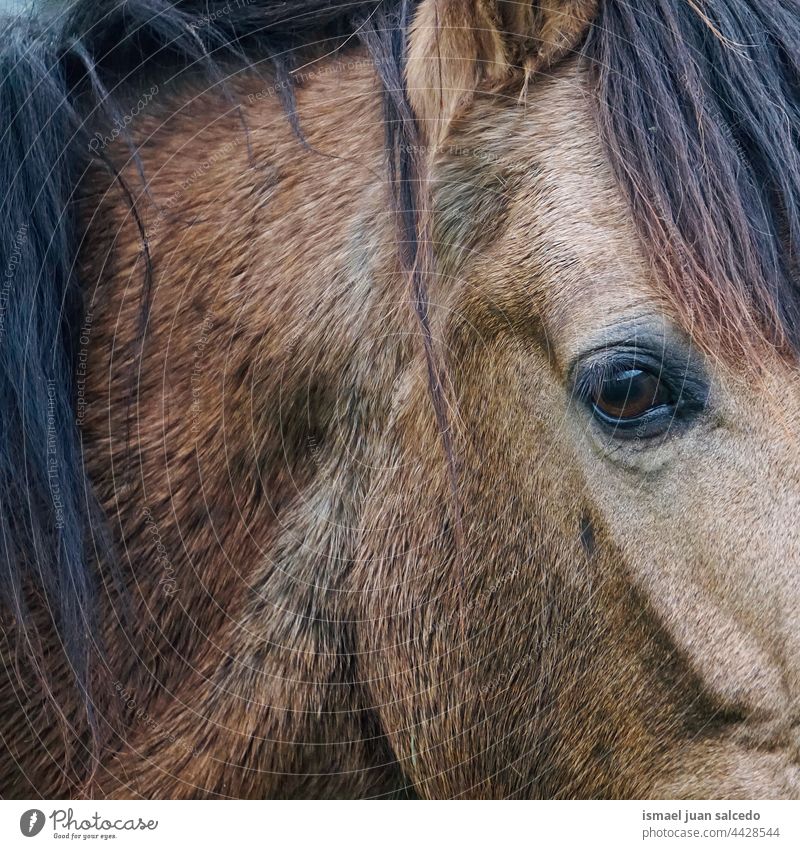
x: 400, y: 399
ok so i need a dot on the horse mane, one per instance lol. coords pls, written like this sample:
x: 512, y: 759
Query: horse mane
x: 697, y: 104
x: 60, y: 74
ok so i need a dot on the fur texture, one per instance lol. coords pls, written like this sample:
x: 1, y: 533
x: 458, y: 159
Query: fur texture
x: 357, y: 537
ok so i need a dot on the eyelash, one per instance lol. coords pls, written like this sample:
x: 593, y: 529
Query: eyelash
x: 590, y: 379
x: 688, y: 394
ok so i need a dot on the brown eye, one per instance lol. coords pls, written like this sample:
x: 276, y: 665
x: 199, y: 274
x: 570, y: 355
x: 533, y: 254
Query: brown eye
x: 627, y: 395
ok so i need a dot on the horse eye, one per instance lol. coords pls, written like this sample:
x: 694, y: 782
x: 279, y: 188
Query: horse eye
x: 625, y: 396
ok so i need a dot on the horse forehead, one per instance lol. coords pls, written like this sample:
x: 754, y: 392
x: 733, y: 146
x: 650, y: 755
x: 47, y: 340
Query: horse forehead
x: 570, y: 217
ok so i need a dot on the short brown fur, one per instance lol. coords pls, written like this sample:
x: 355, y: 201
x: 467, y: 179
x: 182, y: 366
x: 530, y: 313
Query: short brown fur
x: 304, y: 623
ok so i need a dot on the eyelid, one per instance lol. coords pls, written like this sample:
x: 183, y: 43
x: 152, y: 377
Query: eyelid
x: 589, y: 379
x: 685, y: 379
x: 628, y: 424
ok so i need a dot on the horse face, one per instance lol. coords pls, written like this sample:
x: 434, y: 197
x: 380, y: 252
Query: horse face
x: 613, y: 613
x: 623, y: 620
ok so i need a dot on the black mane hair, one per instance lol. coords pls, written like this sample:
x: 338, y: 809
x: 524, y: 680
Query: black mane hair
x: 59, y: 74
x: 697, y: 105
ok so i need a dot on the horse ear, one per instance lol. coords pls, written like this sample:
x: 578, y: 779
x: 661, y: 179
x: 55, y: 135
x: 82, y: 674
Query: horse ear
x: 455, y: 46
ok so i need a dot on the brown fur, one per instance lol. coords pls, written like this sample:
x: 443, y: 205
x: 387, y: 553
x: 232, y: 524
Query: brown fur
x: 309, y: 628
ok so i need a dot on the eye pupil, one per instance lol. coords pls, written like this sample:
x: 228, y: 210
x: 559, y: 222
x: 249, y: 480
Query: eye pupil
x: 629, y: 394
